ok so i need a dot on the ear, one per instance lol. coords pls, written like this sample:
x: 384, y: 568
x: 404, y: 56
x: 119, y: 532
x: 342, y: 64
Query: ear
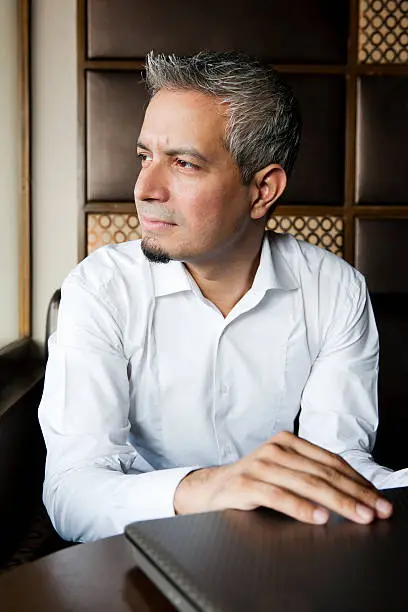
x: 266, y: 187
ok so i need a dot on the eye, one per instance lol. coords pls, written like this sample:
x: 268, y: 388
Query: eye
x: 182, y: 163
x: 143, y: 157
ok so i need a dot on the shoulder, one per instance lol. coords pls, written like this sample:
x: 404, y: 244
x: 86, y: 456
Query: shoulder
x: 113, y: 284
x: 334, y: 294
x: 109, y: 267
x: 117, y: 277
x: 315, y: 266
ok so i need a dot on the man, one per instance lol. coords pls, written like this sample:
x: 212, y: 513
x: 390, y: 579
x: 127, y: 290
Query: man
x: 181, y: 362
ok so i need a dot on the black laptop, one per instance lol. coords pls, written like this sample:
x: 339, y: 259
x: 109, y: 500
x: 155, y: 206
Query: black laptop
x: 235, y: 561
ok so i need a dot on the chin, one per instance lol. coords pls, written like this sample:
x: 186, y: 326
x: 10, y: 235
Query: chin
x: 153, y: 251
x: 161, y: 253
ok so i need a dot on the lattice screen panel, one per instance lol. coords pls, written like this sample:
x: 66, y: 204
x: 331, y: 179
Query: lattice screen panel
x: 326, y: 232
x: 383, y: 32
x: 111, y: 229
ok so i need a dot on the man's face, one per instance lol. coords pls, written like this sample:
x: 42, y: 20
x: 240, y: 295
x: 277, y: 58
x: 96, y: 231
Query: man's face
x: 189, y: 195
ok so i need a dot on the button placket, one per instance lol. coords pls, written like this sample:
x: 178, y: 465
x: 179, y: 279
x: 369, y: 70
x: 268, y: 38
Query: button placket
x: 221, y: 399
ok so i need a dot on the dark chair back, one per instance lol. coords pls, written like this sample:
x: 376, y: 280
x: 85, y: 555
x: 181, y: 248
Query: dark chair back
x: 391, y: 313
x: 52, y: 318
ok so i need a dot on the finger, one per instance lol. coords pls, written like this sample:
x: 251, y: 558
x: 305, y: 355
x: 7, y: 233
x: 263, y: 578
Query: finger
x: 354, y: 503
x: 289, y: 458
x: 316, y: 453
x: 382, y: 506
x: 282, y: 500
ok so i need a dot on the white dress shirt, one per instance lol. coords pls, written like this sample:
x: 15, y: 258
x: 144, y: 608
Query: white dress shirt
x: 146, y: 379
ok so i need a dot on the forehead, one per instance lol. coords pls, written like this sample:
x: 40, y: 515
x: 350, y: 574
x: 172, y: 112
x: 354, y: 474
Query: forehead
x: 184, y: 117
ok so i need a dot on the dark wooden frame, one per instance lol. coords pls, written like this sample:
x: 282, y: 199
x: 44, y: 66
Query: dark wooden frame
x: 349, y: 211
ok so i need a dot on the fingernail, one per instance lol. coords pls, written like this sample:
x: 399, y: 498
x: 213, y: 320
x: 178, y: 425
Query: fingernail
x: 320, y: 516
x: 364, y: 512
x: 383, y: 506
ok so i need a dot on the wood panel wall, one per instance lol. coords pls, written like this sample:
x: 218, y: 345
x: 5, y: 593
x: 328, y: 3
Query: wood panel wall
x: 348, y: 64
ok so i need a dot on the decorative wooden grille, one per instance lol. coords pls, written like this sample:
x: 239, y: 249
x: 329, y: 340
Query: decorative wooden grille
x: 326, y: 232
x: 383, y: 32
x: 110, y: 228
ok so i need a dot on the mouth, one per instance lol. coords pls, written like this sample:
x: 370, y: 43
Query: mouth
x: 156, y: 224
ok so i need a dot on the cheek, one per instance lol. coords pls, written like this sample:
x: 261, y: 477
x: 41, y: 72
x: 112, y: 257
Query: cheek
x: 205, y: 202
x: 197, y: 201
x: 209, y: 213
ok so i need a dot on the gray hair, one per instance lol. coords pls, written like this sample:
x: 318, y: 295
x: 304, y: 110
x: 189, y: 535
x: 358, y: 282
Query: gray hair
x: 264, y: 123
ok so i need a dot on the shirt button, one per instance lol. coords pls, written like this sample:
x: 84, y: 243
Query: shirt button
x: 226, y: 451
x: 224, y: 389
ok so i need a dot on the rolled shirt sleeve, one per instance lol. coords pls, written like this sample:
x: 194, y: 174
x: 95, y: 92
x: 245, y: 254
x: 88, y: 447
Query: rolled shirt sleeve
x: 95, y: 480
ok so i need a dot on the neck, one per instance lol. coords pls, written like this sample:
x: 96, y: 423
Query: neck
x: 225, y: 280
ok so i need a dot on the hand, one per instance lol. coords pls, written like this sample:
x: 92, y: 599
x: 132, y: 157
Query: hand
x: 286, y: 474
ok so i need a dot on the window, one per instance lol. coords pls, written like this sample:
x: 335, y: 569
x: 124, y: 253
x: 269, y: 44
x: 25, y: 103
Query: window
x: 14, y: 173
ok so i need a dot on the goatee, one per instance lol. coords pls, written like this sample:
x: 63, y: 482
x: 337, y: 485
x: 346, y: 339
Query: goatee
x: 154, y: 253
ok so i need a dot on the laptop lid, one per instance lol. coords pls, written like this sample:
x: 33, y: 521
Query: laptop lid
x: 235, y: 561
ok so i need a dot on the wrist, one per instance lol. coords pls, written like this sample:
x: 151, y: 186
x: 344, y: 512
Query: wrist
x: 191, y: 494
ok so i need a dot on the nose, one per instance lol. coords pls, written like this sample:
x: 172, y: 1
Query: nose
x: 151, y: 184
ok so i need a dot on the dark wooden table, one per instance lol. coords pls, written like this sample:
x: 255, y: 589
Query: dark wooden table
x: 100, y: 576
x: 344, y: 567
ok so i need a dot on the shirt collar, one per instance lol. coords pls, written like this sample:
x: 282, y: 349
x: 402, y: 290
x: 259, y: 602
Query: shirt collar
x: 169, y: 278
x: 273, y: 272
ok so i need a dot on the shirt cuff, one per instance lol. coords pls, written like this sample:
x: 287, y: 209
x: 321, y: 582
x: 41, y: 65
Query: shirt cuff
x: 395, y: 480
x: 159, y: 487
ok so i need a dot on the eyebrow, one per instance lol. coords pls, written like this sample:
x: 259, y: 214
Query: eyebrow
x: 190, y: 151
